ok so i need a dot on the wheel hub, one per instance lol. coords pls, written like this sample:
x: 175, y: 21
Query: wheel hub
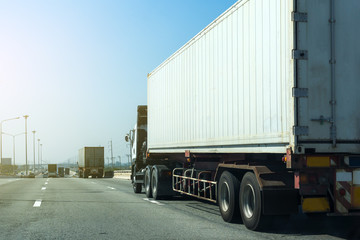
x: 249, y: 201
x: 225, y: 196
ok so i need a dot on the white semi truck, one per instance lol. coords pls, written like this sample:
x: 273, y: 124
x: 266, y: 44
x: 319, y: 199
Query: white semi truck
x: 258, y: 113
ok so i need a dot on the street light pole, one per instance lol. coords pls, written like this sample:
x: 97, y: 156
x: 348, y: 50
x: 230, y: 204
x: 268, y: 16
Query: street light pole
x: 2, y: 132
x: 13, y: 164
x: 38, y: 153
x: 26, y: 162
x: 34, y: 148
x: 41, y: 153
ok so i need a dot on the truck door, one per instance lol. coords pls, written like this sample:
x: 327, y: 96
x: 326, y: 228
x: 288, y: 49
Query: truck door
x: 327, y: 56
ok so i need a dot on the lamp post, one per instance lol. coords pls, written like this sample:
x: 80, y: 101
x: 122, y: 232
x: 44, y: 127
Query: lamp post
x: 13, y: 146
x: 26, y: 167
x: 34, y: 148
x: 38, y: 153
x: 1, y: 134
x: 41, y: 153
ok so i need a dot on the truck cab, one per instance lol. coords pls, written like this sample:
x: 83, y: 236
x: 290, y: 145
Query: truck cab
x: 137, y: 138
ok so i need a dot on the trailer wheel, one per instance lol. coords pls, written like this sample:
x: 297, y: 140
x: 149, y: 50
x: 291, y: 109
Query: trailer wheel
x: 250, y: 201
x: 147, y: 183
x: 136, y: 186
x: 155, y: 182
x: 80, y: 174
x: 228, y: 196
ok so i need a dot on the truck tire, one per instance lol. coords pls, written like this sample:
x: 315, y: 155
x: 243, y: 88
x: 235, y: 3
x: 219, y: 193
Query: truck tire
x: 155, y: 182
x: 147, y: 182
x: 250, y: 202
x: 228, y: 196
x: 136, y: 186
x: 80, y: 174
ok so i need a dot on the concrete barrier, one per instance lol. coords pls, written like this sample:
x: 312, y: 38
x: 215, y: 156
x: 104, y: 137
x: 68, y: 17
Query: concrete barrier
x: 122, y: 175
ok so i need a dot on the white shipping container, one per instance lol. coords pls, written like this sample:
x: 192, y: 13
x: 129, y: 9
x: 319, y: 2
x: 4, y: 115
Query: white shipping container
x: 238, y: 85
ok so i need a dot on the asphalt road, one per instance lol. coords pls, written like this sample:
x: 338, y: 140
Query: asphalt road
x: 72, y: 208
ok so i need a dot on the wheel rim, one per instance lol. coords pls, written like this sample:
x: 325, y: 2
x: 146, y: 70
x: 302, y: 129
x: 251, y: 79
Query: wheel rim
x: 249, y: 201
x: 134, y: 184
x: 134, y: 177
x: 147, y: 180
x: 225, y: 196
x: 154, y: 183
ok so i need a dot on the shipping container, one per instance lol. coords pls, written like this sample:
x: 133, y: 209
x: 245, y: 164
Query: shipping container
x: 6, y: 161
x: 61, y: 171
x: 255, y: 81
x: 91, y: 162
x: 6, y: 166
x: 258, y: 113
x: 52, y: 170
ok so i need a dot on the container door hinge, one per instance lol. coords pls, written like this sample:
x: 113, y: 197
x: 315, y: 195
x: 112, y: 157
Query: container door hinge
x: 300, y: 92
x: 300, y: 130
x: 299, y: 54
x: 299, y: 17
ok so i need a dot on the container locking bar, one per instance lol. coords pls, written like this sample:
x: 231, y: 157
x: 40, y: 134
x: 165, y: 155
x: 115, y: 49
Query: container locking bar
x: 322, y: 119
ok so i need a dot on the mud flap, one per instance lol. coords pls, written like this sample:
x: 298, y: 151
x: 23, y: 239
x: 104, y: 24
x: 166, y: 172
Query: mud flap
x: 280, y: 201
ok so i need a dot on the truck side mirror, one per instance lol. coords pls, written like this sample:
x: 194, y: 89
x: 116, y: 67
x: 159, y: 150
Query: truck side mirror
x: 127, y: 138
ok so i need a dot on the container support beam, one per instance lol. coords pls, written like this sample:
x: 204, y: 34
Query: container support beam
x: 332, y: 62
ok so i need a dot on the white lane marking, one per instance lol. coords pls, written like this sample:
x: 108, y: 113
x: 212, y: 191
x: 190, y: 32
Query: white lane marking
x: 46, y: 183
x: 156, y: 202
x: 37, y: 203
x: 43, y: 188
x: 111, y: 188
x: 93, y: 182
x: 153, y: 201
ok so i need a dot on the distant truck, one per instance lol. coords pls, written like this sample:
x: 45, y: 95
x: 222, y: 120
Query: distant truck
x: 67, y: 171
x: 91, y: 162
x: 61, y: 172
x: 52, y: 170
x: 258, y: 113
x: 6, y: 161
x: 6, y: 167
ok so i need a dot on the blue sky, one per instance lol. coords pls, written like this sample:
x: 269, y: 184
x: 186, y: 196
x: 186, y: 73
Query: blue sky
x: 79, y: 68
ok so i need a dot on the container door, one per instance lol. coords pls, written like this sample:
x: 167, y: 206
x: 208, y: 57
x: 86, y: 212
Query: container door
x: 89, y: 156
x: 99, y: 157
x: 328, y: 75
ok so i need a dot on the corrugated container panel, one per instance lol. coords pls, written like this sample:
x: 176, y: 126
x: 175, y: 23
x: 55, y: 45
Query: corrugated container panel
x: 228, y: 87
x: 81, y: 159
x: 91, y: 157
x: 52, y: 167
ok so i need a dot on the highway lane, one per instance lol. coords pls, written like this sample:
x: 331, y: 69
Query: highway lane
x: 108, y: 209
